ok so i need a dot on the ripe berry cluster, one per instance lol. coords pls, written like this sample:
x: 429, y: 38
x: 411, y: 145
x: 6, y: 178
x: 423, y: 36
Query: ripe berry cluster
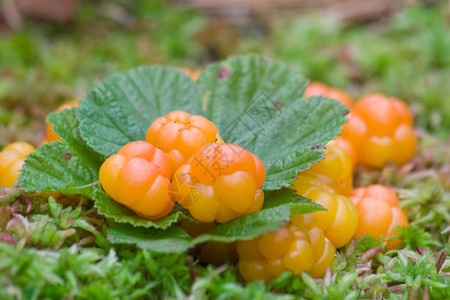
x: 228, y: 179
x: 299, y: 246
x: 184, y: 159
x: 379, y: 128
x: 328, y: 183
x: 378, y: 212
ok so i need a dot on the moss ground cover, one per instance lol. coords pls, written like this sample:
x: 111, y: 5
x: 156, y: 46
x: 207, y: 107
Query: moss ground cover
x: 59, y: 247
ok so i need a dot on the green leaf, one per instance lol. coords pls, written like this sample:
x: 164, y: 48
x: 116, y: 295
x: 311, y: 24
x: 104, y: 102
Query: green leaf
x: 121, y: 108
x: 249, y: 226
x: 52, y: 167
x: 302, y: 130
x: 258, y: 104
x: 173, y: 239
x: 250, y: 89
x: 121, y: 214
x: 70, y: 167
x: 66, y: 126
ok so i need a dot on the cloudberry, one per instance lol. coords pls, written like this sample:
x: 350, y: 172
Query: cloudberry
x: 12, y: 157
x: 220, y: 182
x: 181, y: 135
x: 378, y: 212
x: 138, y: 176
x: 299, y: 246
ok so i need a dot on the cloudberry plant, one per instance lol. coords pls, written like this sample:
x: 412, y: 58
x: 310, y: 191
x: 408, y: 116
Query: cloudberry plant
x: 380, y: 129
x: 220, y: 182
x: 12, y: 158
x: 181, y: 135
x: 138, y: 176
x: 378, y: 212
x: 299, y: 246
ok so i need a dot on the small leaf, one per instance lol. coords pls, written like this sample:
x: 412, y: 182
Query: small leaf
x: 249, y: 226
x: 302, y: 131
x: 173, y: 239
x: 49, y: 169
x: 248, y: 89
x: 66, y: 126
x: 70, y: 168
x: 121, y: 108
x: 121, y: 214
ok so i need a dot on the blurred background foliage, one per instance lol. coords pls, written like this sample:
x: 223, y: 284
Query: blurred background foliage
x: 47, y: 58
